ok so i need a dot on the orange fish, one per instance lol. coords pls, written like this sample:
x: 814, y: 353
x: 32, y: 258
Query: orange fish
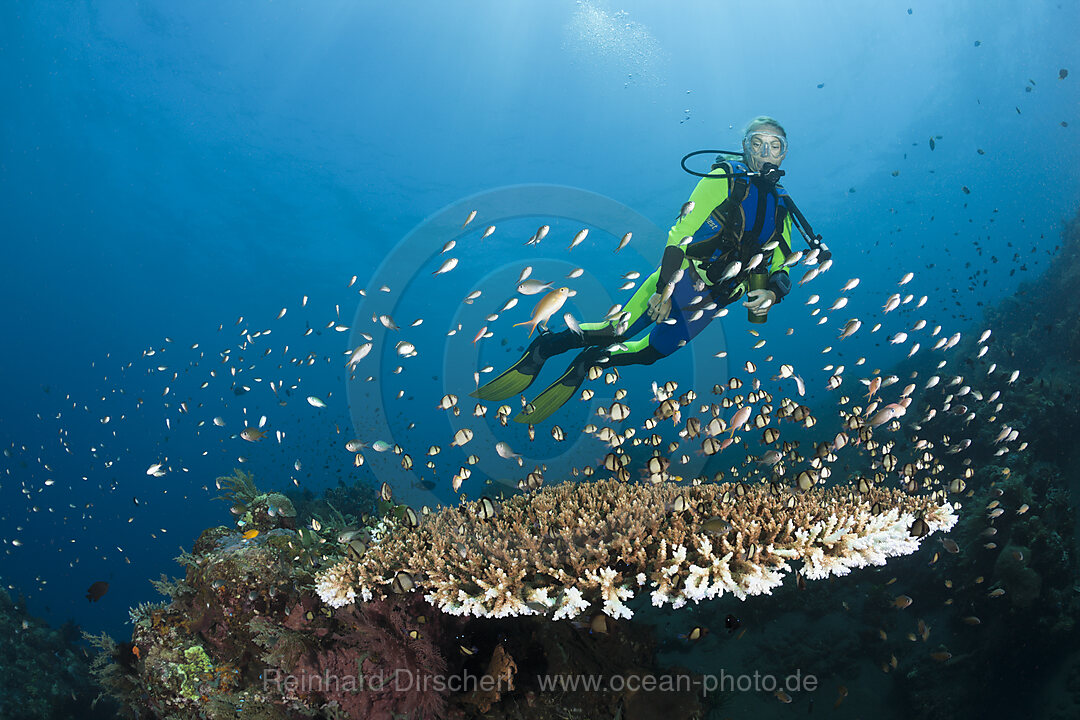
x: 135, y: 652
x: 251, y: 534
x: 739, y: 419
x: 544, y: 309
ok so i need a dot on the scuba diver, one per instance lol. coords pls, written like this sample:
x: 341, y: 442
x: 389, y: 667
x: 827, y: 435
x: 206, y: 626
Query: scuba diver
x: 733, y: 238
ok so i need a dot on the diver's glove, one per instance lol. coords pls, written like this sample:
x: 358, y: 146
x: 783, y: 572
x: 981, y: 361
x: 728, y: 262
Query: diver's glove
x: 659, y: 308
x: 759, y: 301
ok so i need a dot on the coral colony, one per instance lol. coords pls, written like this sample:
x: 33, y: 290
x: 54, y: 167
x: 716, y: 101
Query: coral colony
x: 564, y: 549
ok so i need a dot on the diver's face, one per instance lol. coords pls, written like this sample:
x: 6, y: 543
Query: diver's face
x: 765, y: 145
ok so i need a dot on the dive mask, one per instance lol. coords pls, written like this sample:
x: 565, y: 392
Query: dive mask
x: 762, y: 147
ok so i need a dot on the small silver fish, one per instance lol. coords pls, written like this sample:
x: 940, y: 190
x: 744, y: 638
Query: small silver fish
x: 732, y: 270
x: 582, y: 234
x: 448, y: 265
x: 505, y: 451
x: 572, y: 323
x: 540, y: 234
x: 770, y: 458
x: 357, y: 355
x: 532, y: 287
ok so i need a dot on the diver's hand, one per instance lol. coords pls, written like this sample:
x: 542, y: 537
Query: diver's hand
x: 659, y: 309
x: 759, y: 301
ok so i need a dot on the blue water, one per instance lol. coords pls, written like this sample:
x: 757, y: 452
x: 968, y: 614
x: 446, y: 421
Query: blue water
x: 166, y: 168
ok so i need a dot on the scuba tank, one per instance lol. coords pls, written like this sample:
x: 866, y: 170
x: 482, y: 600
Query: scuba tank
x: 758, y: 281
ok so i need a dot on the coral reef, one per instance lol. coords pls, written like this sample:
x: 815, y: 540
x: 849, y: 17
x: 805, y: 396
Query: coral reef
x: 242, y: 635
x: 45, y: 676
x: 352, y: 503
x: 255, y: 510
x: 1021, y: 583
x: 562, y: 549
x: 377, y: 659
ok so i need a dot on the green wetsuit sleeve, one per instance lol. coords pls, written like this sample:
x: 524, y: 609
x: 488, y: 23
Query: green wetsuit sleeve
x: 707, y: 196
x: 776, y: 265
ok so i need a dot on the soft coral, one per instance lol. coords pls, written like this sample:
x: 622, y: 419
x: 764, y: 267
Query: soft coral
x: 381, y: 661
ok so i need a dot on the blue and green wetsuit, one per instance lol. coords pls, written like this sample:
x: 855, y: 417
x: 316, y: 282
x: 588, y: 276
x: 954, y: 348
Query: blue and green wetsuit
x: 731, y: 220
x: 759, y: 218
